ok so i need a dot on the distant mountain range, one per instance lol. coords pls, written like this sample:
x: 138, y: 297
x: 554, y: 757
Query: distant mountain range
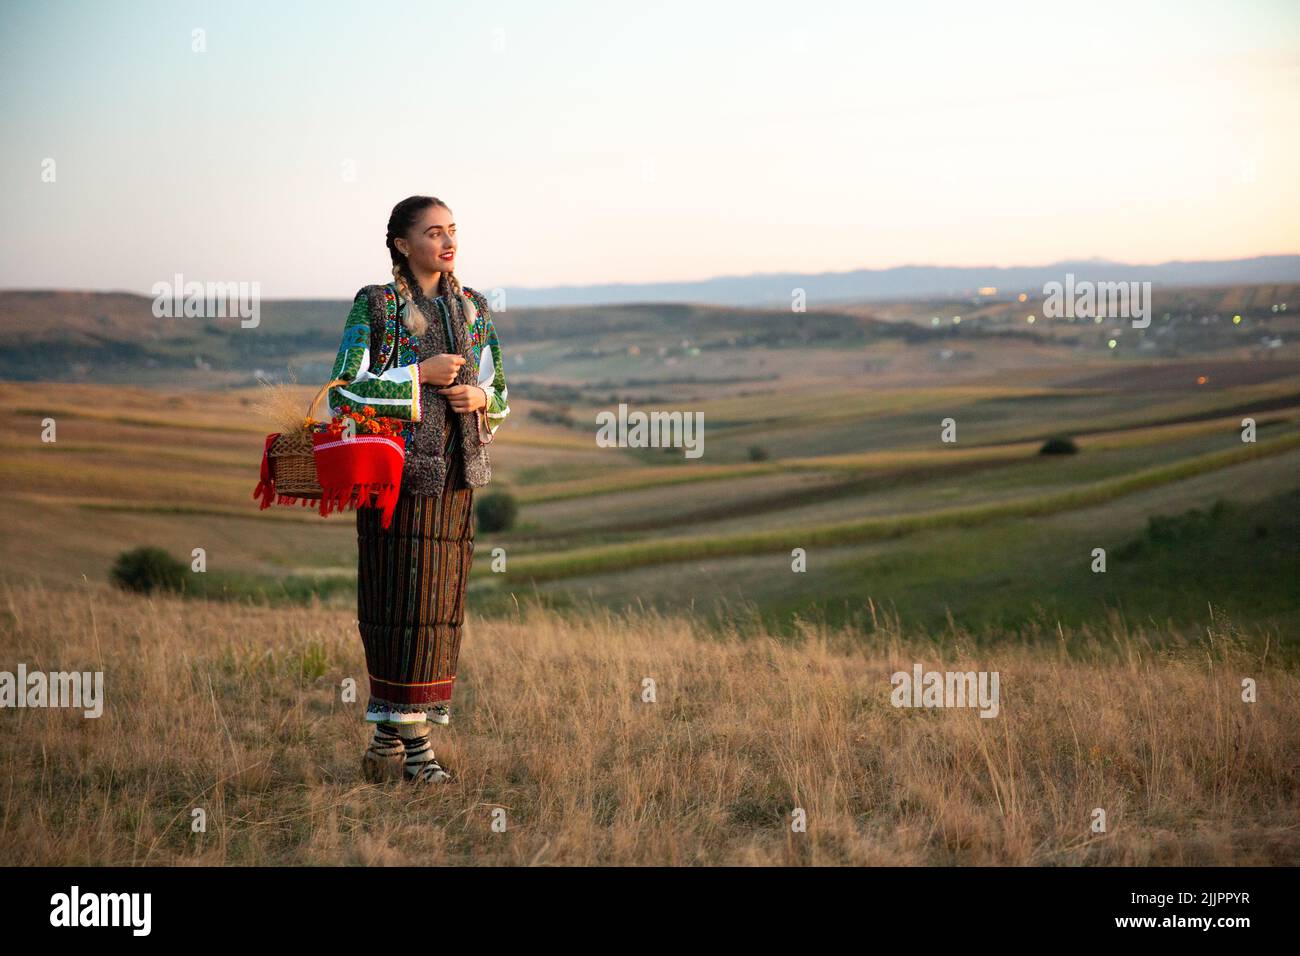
x: 903, y: 282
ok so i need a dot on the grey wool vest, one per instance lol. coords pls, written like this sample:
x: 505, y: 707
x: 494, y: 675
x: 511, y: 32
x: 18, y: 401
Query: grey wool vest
x: 425, y: 470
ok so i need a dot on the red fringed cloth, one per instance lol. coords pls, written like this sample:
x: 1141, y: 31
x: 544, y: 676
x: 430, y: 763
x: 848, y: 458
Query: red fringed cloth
x: 360, y: 472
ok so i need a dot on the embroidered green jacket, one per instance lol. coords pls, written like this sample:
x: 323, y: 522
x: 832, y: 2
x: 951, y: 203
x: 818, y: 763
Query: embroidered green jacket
x: 395, y: 392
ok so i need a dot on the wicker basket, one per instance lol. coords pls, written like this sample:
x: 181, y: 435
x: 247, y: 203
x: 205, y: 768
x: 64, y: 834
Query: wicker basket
x: 293, y: 466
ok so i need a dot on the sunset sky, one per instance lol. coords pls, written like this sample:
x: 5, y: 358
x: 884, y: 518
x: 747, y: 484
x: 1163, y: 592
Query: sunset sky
x: 636, y: 142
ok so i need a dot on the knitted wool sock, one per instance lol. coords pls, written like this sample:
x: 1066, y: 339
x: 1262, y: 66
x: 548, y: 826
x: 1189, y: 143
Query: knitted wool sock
x: 420, y: 762
x: 386, y: 742
x: 383, y: 758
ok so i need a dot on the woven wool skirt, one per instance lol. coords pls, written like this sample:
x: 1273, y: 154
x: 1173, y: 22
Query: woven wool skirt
x: 411, y: 581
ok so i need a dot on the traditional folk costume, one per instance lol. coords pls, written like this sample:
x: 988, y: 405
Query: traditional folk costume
x: 411, y: 575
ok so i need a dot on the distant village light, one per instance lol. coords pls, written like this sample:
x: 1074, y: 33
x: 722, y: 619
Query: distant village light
x: 1030, y: 320
x: 988, y: 290
x: 1023, y: 297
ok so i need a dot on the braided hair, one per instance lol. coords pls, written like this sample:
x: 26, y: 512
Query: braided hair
x: 403, y: 217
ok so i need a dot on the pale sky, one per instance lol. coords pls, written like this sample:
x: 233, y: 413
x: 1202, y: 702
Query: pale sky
x: 638, y: 142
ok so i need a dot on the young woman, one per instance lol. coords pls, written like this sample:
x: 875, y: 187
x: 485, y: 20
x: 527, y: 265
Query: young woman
x: 422, y: 349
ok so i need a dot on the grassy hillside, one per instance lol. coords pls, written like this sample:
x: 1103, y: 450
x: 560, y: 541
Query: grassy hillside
x: 986, y: 529
x: 650, y: 348
x: 845, y: 462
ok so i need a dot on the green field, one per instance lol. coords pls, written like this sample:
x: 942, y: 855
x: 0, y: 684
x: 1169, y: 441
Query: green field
x: 983, y: 532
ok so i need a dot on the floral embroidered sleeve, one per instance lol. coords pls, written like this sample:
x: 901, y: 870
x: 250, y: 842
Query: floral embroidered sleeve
x: 394, y: 394
x: 491, y: 367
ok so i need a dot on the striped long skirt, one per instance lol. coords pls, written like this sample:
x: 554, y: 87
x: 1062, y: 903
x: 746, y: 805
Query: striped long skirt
x: 411, y: 581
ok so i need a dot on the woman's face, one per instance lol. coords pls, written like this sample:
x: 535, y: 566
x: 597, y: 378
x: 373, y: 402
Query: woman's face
x: 431, y: 244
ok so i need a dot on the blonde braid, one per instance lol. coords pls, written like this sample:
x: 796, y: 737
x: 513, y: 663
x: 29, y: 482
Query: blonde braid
x: 456, y: 300
x: 464, y: 306
x: 414, y: 321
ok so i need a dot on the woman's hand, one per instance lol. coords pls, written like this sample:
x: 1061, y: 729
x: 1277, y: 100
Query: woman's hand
x: 465, y: 398
x: 441, y: 369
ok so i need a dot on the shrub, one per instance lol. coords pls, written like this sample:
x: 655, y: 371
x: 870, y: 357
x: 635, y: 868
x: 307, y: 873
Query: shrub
x: 146, y: 570
x: 497, y: 511
x: 757, y: 453
x: 1059, y: 445
x: 1192, y: 525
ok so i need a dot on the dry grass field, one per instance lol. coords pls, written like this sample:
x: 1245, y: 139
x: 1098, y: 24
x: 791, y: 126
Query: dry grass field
x: 235, y: 709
